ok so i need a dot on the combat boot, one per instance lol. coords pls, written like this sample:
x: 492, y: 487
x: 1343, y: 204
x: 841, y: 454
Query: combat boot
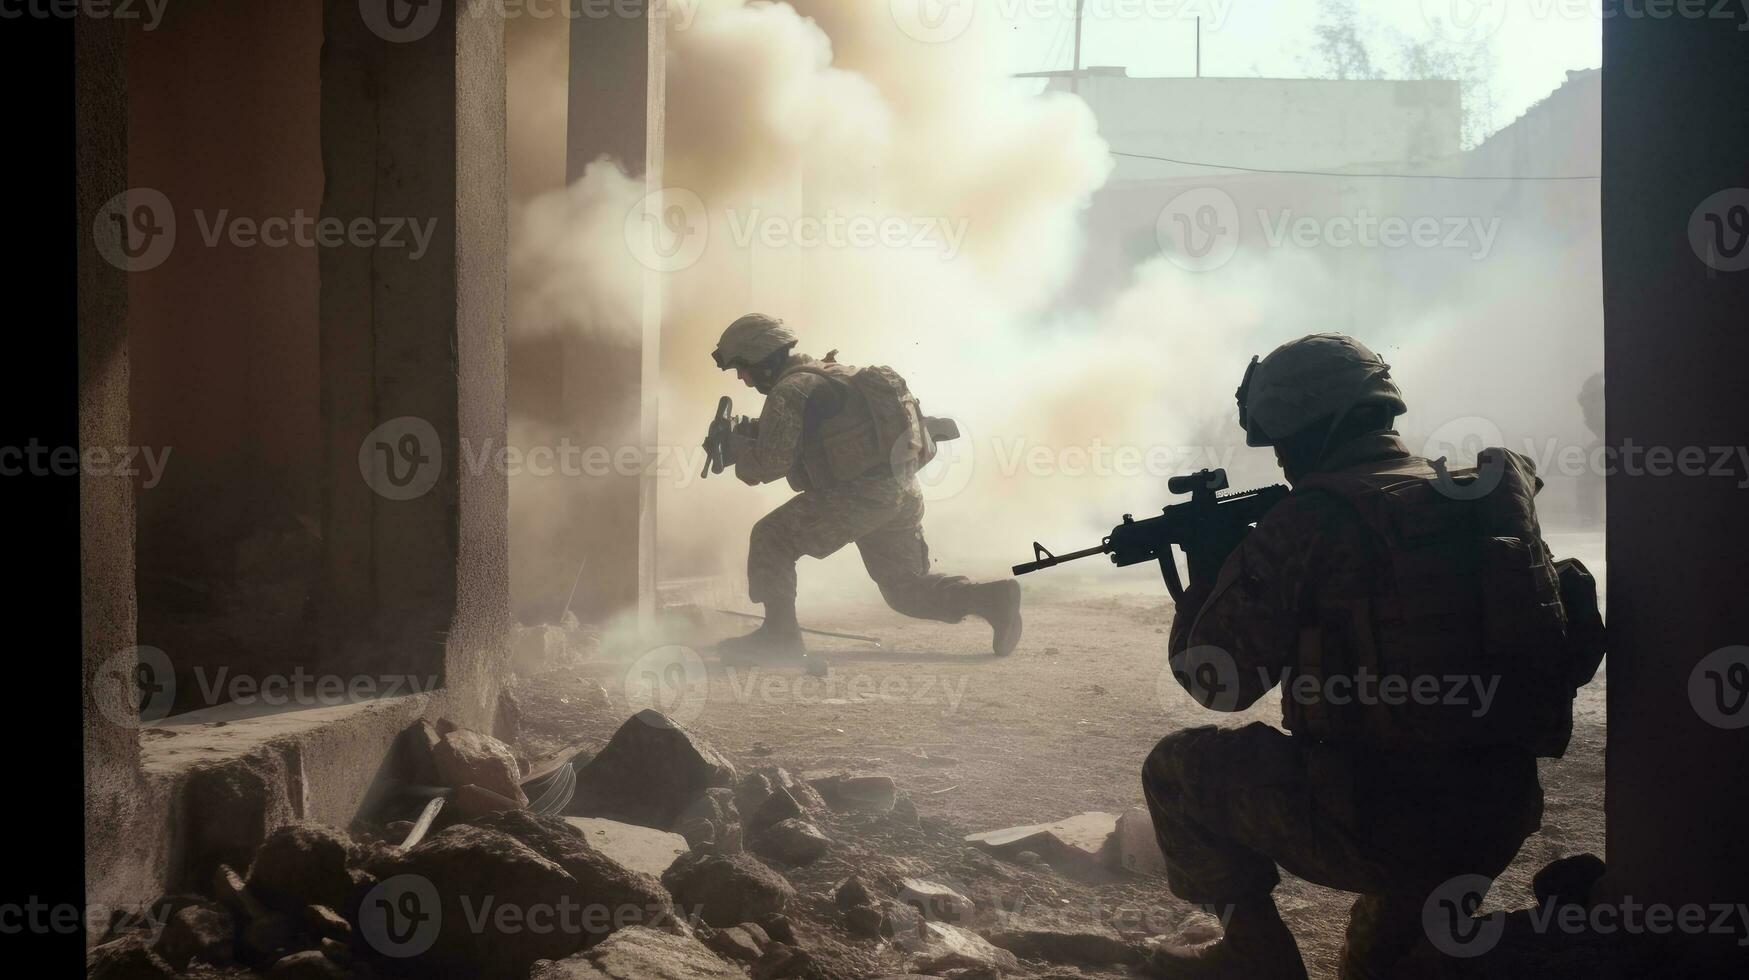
x: 1257, y: 946
x: 768, y: 646
x: 776, y: 643
x: 998, y: 603
x: 1382, y: 932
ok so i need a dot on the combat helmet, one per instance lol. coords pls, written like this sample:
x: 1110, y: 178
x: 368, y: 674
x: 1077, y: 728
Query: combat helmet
x: 1324, y: 375
x: 751, y: 340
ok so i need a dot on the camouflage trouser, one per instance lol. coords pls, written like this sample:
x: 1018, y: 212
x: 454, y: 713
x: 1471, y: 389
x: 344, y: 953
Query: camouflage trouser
x: 1231, y: 804
x: 885, y: 519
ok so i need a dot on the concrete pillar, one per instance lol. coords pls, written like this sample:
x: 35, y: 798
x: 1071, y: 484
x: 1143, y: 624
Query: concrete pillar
x: 415, y: 577
x: 1676, y: 283
x: 108, y: 604
x: 609, y: 386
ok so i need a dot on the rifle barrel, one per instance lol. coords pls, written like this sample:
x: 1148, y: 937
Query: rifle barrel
x: 1047, y: 562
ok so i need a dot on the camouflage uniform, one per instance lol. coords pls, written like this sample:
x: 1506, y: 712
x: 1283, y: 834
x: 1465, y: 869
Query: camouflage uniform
x: 882, y: 514
x: 1386, y: 821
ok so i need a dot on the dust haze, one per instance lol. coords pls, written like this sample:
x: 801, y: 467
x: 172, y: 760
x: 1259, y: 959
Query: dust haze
x: 785, y: 118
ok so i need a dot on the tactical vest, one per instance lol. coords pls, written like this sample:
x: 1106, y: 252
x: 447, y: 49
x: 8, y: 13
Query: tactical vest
x: 1459, y: 601
x: 872, y: 427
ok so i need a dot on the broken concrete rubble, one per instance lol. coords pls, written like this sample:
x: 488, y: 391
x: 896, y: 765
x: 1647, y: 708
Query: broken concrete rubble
x: 511, y: 857
x: 876, y: 917
x: 778, y: 926
x: 948, y: 947
x: 894, y: 921
x: 778, y: 805
x: 725, y: 890
x: 202, y: 932
x: 327, y: 923
x: 641, y: 849
x: 610, y: 895
x: 862, y: 794
x: 735, y: 943
x: 308, y: 964
x: 471, y: 871
x: 649, y: 773
x: 781, y: 962
x: 794, y: 841
x: 302, y: 864
x: 851, y: 892
x: 1077, y: 844
x: 127, y: 958
x: 712, y: 822
x: 641, y: 954
x: 268, y: 937
x: 467, y: 758
x: 1088, y: 946
x: 1135, y: 847
x: 756, y: 786
x: 936, y: 901
x: 472, y: 802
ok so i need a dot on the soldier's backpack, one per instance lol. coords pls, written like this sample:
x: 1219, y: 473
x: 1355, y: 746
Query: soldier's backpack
x: 877, y: 429
x: 1464, y: 608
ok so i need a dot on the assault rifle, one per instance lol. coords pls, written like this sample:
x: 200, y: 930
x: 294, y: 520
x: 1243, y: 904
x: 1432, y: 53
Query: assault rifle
x: 716, y: 439
x: 1207, y: 526
x: 725, y: 423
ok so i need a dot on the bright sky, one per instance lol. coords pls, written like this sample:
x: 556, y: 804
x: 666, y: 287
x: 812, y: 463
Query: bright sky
x: 1535, y: 42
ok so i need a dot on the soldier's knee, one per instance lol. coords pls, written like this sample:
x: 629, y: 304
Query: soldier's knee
x: 771, y: 535
x: 1165, y: 766
x: 898, y: 597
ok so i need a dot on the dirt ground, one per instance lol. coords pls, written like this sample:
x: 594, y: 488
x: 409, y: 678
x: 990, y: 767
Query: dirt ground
x: 980, y: 743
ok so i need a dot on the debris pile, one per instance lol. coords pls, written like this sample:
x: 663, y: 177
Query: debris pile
x: 663, y: 860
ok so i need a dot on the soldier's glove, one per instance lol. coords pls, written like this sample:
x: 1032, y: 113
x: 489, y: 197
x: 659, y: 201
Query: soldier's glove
x: 742, y: 435
x: 1206, y: 559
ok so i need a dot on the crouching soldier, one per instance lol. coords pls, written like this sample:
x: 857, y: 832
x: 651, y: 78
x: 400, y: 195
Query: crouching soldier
x: 851, y: 442
x: 1414, y: 619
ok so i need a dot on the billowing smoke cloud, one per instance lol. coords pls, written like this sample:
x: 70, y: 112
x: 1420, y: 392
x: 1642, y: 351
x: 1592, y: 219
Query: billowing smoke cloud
x: 907, y: 203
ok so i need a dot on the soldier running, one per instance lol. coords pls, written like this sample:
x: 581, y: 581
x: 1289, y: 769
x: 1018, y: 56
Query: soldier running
x: 850, y: 442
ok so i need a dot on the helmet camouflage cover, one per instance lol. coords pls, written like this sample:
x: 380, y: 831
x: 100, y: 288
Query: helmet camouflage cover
x: 1323, y: 375
x: 752, y: 339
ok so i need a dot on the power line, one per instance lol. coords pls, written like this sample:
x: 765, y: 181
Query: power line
x: 1331, y: 173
